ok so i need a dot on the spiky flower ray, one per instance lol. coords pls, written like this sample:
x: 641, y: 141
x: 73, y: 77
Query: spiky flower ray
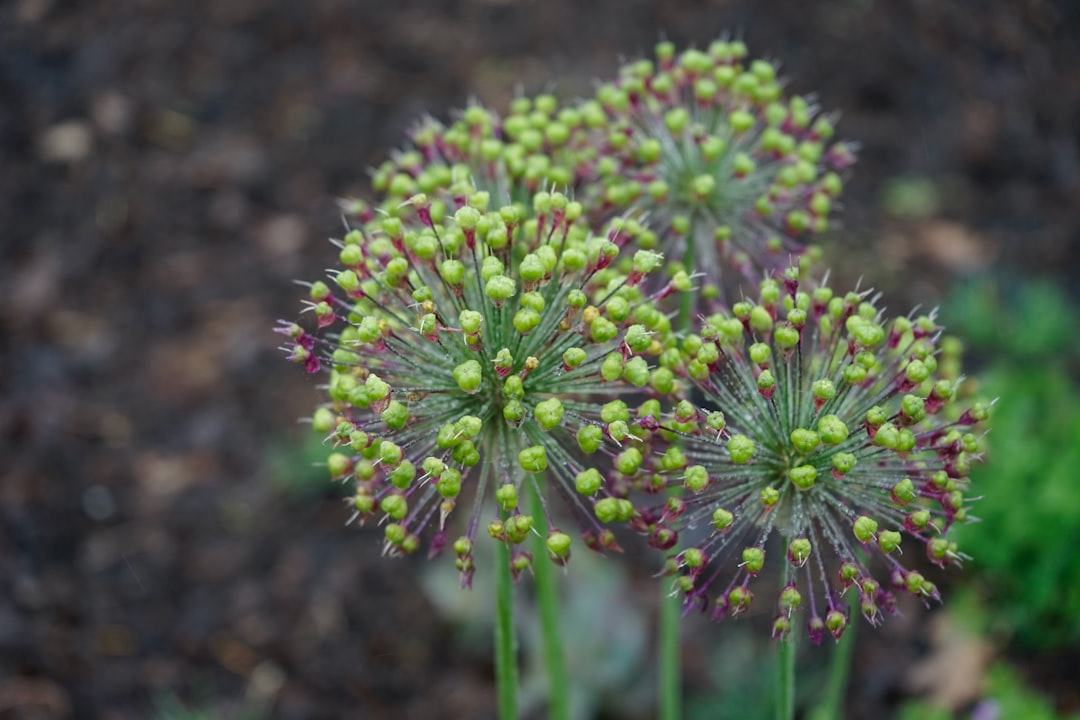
x: 480, y: 350
x: 708, y: 142
x: 830, y: 426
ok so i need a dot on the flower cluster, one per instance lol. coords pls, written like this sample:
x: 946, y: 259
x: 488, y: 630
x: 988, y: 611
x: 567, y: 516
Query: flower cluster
x: 485, y: 352
x: 729, y: 166
x: 826, y: 424
x: 483, y: 343
x: 537, y: 145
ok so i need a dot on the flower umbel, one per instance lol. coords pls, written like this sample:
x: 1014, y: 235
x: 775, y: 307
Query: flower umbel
x: 536, y: 146
x: 480, y: 350
x: 709, y: 143
x: 830, y: 426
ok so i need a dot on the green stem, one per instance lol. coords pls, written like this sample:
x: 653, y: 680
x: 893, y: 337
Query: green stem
x: 547, y: 600
x: 505, y: 640
x: 832, y: 705
x: 686, y: 301
x: 785, y: 685
x: 670, y: 696
x: 671, y: 604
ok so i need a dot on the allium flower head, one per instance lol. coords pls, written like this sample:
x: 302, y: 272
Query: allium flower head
x: 537, y: 145
x: 473, y: 352
x: 711, y: 145
x: 830, y: 426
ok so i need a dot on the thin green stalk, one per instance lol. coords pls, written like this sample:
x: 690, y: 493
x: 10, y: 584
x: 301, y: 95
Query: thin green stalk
x: 832, y: 706
x: 785, y: 684
x: 548, y: 602
x: 505, y: 641
x: 670, y: 695
x: 670, y: 604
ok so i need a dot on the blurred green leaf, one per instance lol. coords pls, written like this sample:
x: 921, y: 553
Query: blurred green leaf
x: 1029, y: 497
x: 910, y: 197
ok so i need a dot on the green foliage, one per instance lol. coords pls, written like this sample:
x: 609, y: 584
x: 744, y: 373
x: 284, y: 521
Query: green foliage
x: 910, y: 197
x: 1014, y: 699
x: 1006, y: 694
x: 296, y: 470
x: 742, y: 672
x: 1014, y: 324
x: 1030, y: 506
x: 169, y: 707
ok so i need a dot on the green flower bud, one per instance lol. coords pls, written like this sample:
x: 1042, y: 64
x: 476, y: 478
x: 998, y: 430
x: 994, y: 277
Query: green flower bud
x: 803, y: 476
x: 402, y: 476
x: 790, y: 599
x: 395, y: 534
x: 662, y: 380
x: 573, y: 357
x: 889, y: 540
x: 612, y: 367
x: 766, y: 383
x: 395, y: 506
x: 673, y: 459
x: 628, y: 462
x: 338, y: 465
x: 514, y: 387
x: 433, y: 466
x: 832, y: 430
x: 558, y: 546
x: 805, y: 441
x: 917, y: 372
x: 588, y: 482
x: 740, y: 449
x: 396, y: 416
x: 798, y: 551
x: 696, y: 478
x: 589, y: 438
x: 854, y: 374
x: 466, y: 453
x: 453, y: 272
x: 601, y: 329
x: 609, y: 510
x: 533, y: 459
x: 753, y: 559
x: 887, y: 436
x: 760, y: 353
x: 769, y: 497
x: 919, y: 519
x: 865, y: 529
x: 469, y: 376
x: 514, y: 412
x: 716, y: 421
x: 526, y: 320
x: 636, y: 372
x: 844, y: 462
x: 449, y: 483
x: 760, y: 320
x: 507, y: 497
x: 786, y: 337
x: 903, y: 492
x: 499, y: 289
x: 470, y: 321
x: 376, y: 388
x: 722, y: 519
x: 549, y: 413
x: 322, y: 421
x: 358, y: 440
x: 913, y: 408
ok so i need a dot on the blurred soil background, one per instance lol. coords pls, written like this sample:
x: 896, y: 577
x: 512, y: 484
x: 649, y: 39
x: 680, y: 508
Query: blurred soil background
x: 168, y: 168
